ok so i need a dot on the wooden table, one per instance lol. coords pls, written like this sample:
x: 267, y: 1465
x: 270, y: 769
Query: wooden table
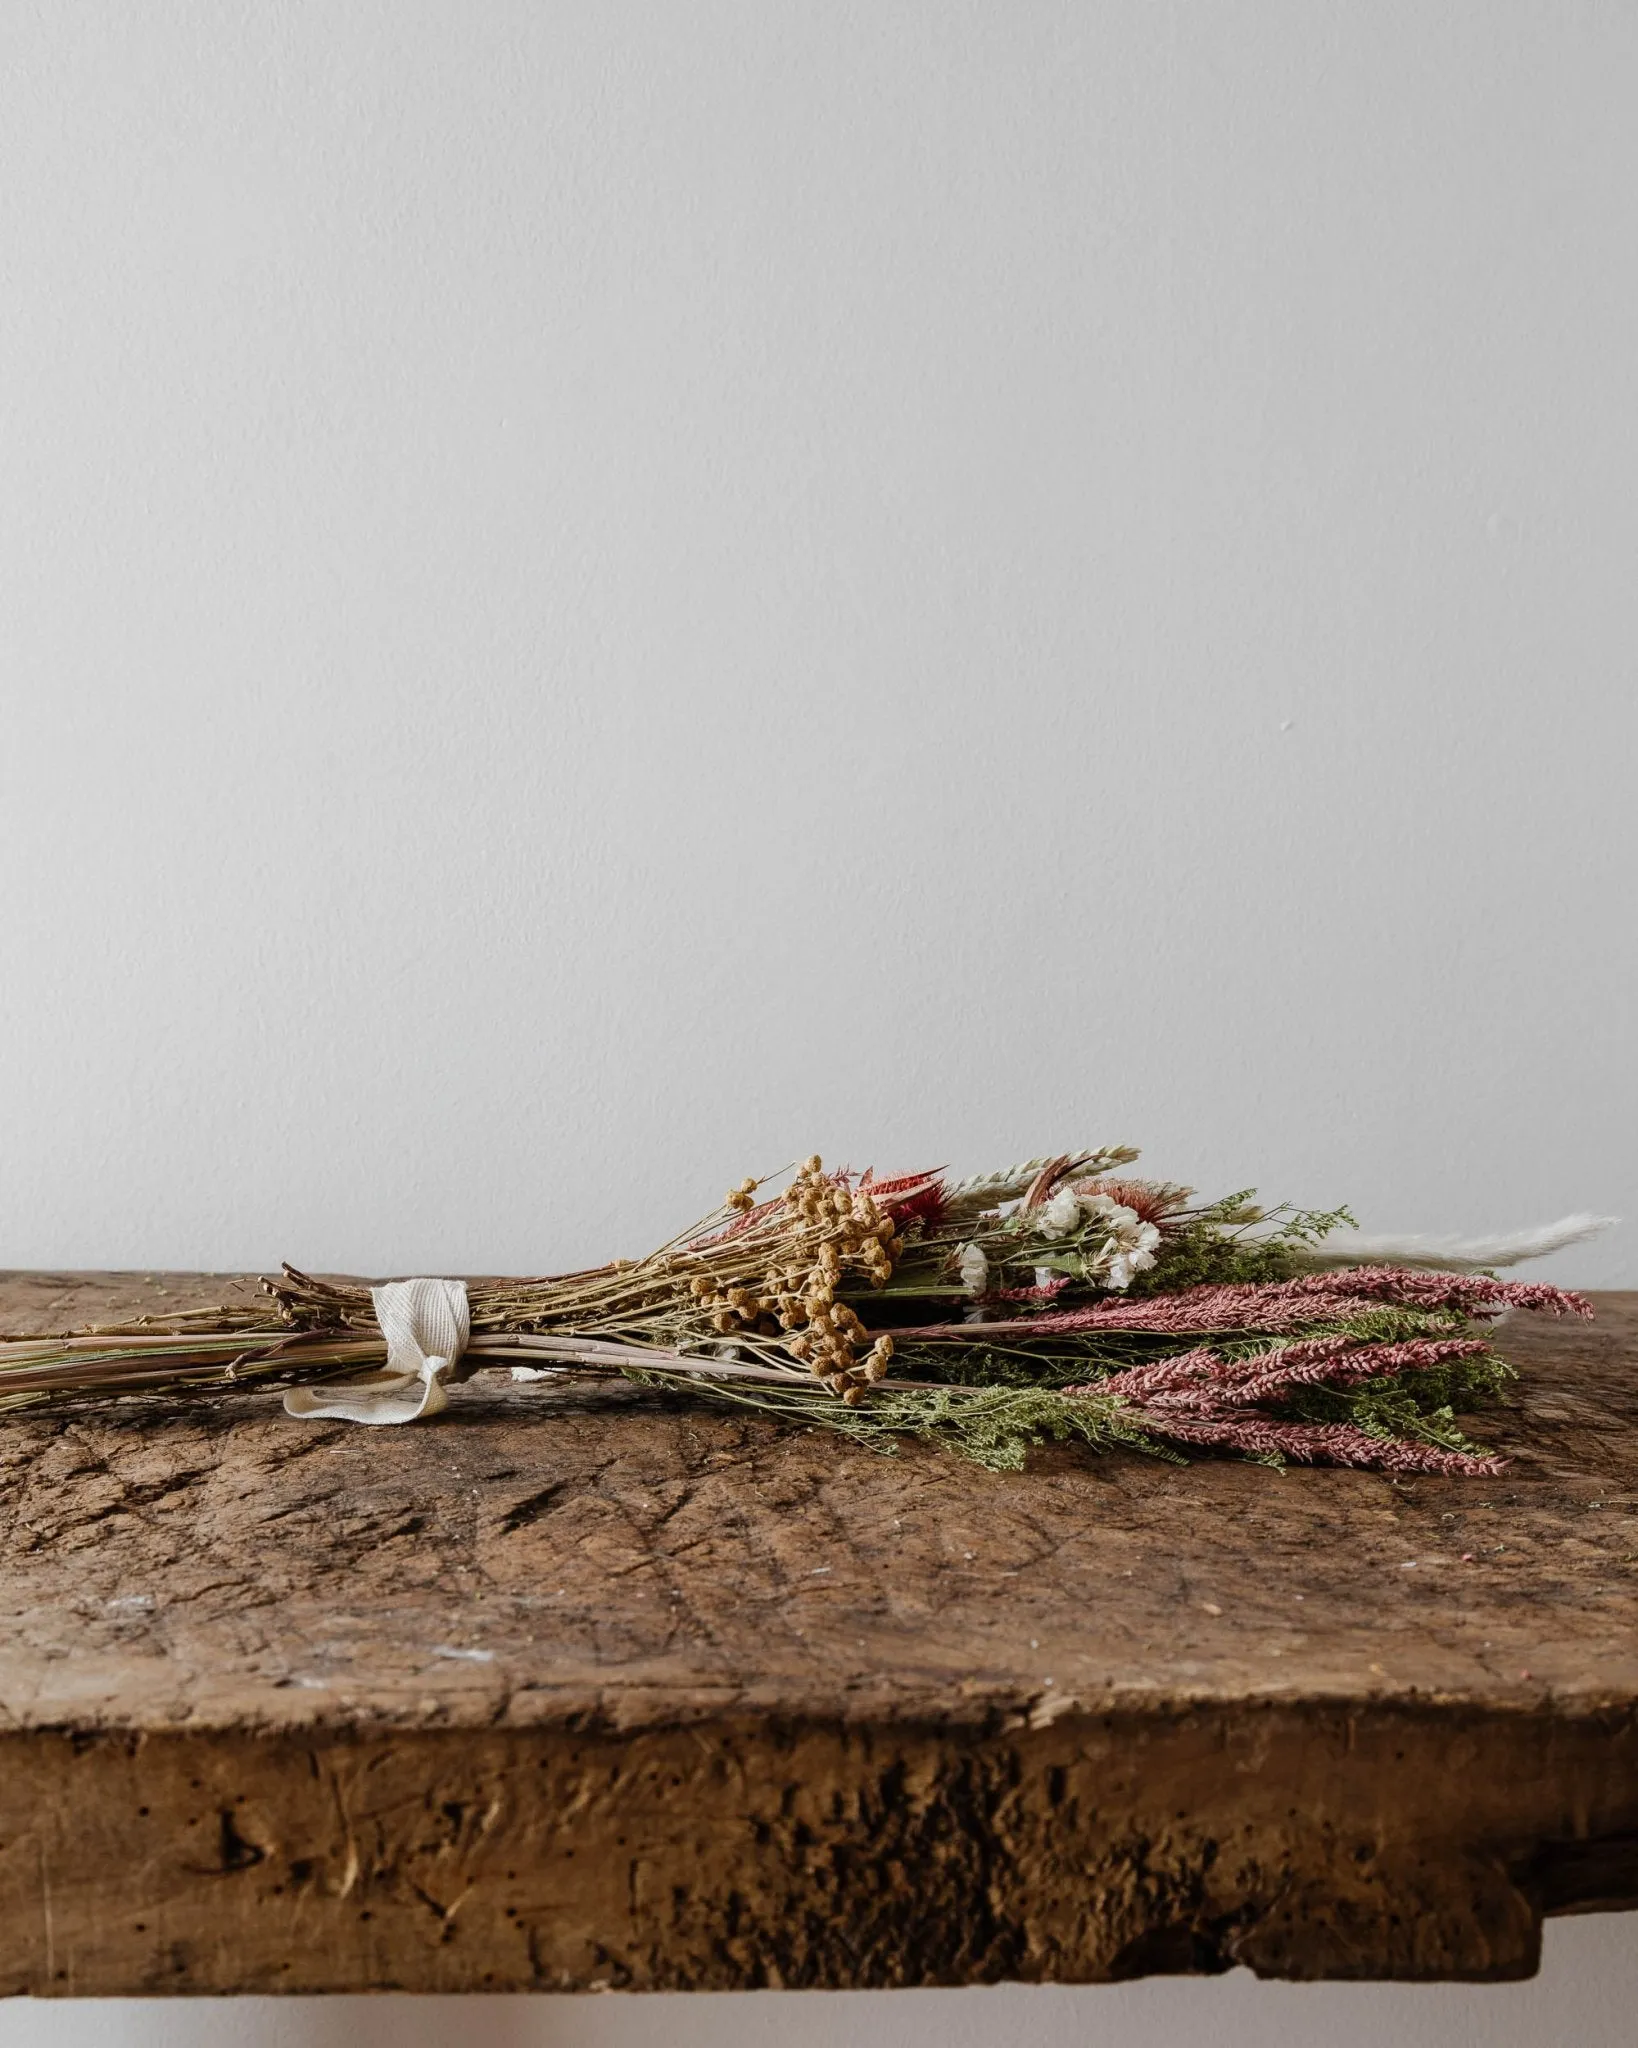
x: 572, y: 1688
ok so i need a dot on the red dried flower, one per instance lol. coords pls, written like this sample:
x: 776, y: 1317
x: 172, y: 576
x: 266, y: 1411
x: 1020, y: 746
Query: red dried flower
x: 909, y: 1198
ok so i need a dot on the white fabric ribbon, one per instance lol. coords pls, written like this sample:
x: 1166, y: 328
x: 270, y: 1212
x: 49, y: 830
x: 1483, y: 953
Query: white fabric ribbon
x: 426, y: 1324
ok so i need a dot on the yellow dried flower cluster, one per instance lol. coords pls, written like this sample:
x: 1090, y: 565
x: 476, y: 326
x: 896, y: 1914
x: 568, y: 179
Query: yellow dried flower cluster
x: 828, y: 1234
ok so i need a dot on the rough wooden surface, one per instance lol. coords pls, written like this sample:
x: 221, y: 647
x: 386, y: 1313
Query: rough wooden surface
x: 571, y: 1688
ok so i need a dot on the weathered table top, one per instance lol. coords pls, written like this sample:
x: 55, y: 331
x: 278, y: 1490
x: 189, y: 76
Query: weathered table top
x: 572, y: 1687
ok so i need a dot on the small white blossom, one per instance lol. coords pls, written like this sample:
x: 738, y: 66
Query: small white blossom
x: 1133, y: 1252
x: 974, y: 1269
x: 1061, y: 1217
x: 1124, y: 1267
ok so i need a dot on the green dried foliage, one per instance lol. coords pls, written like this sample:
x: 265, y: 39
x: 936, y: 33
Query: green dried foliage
x: 1211, y: 1249
x: 995, y: 1427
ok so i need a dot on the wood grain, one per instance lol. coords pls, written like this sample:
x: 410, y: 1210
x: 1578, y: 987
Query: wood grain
x: 574, y: 1687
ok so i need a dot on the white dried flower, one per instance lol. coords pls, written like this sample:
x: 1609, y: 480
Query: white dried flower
x: 1132, y: 1248
x: 974, y: 1269
x: 1061, y: 1217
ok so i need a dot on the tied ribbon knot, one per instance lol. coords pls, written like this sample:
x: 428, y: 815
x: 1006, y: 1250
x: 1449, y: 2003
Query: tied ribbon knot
x: 427, y: 1324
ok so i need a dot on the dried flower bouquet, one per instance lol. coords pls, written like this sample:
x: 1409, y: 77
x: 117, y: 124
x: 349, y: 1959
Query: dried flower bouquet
x: 1061, y: 1299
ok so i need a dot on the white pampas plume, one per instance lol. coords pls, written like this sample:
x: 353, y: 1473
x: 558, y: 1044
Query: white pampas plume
x: 1451, y: 1254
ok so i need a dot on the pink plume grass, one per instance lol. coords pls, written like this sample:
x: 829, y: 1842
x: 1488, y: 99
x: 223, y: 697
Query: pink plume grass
x: 1202, y: 1381
x: 1322, y: 1365
x: 1202, y: 1398
x: 1280, y: 1305
x: 1048, y: 1291
x: 1311, y: 1443
x: 1474, y: 1294
x: 1189, y: 1370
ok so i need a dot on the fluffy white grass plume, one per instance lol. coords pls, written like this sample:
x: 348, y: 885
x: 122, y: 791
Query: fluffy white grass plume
x: 1452, y: 1254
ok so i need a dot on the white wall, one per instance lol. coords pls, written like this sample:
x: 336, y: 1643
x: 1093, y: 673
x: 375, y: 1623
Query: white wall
x: 592, y: 596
